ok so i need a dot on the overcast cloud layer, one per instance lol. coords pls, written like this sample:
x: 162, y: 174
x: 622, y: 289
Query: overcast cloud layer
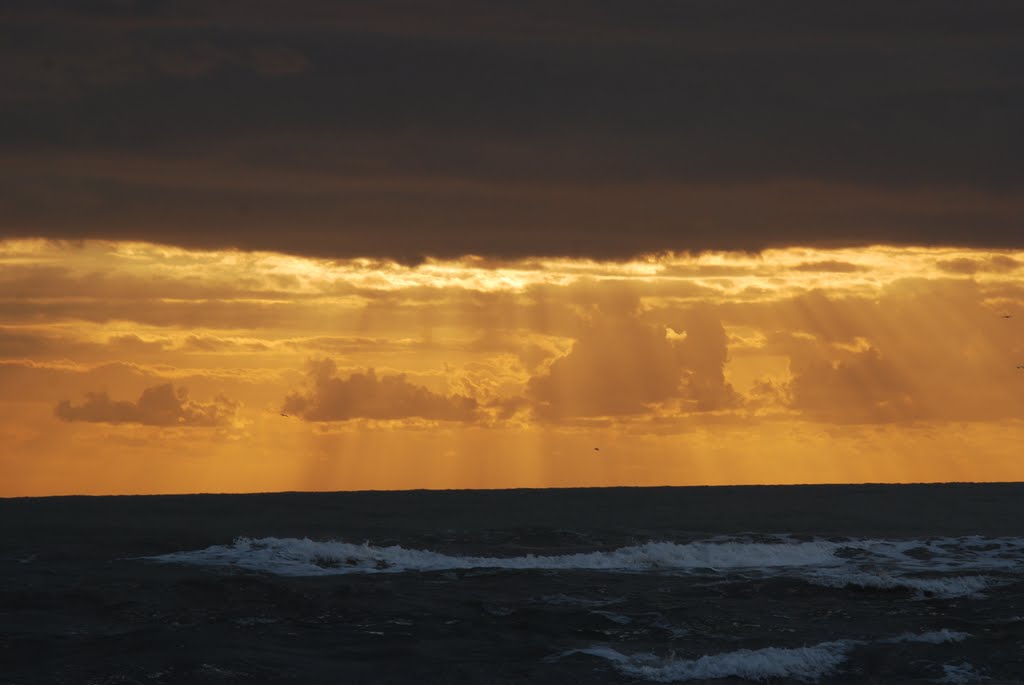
x: 507, y: 129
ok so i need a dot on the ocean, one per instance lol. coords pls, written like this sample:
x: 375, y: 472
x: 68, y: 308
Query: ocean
x: 782, y: 584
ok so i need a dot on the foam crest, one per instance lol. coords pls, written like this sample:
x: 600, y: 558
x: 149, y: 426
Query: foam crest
x: 292, y: 556
x: 806, y: 664
x: 960, y: 674
x: 945, y: 553
x: 957, y: 586
x: 934, y: 637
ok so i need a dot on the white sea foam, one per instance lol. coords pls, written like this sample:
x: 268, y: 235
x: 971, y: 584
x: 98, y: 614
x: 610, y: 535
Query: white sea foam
x: 806, y: 664
x: 957, y: 586
x: 946, y: 554
x: 291, y: 556
x: 935, y: 637
x: 960, y: 674
x: 969, y: 563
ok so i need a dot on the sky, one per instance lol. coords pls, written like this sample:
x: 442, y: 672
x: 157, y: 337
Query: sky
x: 252, y: 246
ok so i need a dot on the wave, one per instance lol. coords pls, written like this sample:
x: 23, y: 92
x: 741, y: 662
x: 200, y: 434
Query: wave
x: 913, y: 565
x: 292, y: 556
x: 960, y: 674
x: 806, y: 664
x: 934, y: 637
x: 947, y: 588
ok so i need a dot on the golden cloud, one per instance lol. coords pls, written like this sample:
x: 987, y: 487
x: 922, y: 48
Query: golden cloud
x: 873, y: 342
x: 160, y: 405
x: 364, y: 395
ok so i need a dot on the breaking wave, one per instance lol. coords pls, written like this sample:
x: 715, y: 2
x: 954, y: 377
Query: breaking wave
x: 943, y: 567
x: 292, y: 556
x: 956, y: 586
x: 960, y: 674
x: 806, y: 664
x: 934, y: 637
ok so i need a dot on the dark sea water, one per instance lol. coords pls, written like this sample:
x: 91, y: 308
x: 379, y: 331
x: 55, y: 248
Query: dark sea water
x: 830, y: 584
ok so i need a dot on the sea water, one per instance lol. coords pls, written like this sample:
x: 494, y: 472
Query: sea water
x: 569, y: 586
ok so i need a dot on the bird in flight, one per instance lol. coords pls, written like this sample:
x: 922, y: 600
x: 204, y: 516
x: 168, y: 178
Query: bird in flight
x: 1006, y: 316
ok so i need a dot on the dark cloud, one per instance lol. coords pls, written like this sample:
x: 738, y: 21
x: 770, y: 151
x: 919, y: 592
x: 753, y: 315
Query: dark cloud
x: 588, y: 128
x: 18, y: 344
x: 24, y: 282
x: 160, y: 405
x: 617, y: 367
x: 704, y: 352
x: 199, y: 314
x: 15, y: 344
x: 829, y: 266
x: 621, y: 365
x: 213, y: 344
x: 364, y: 395
x: 862, y: 388
x: 31, y: 381
x: 920, y: 349
x: 80, y: 67
x: 966, y: 266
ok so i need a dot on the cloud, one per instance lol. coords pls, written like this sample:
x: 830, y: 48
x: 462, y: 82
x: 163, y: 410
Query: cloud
x: 364, y: 395
x: 863, y: 388
x: 58, y: 345
x: 160, y: 405
x: 621, y: 365
x: 917, y: 349
x: 571, y: 337
x: 38, y: 381
x: 213, y: 344
x: 704, y: 352
x: 602, y: 129
x: 999, y: 264
x: 616, y: 367
x: 828, y: 266
x: 77, y: 67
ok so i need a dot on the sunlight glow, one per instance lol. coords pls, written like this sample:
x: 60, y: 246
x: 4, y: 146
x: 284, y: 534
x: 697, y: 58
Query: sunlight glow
x: 797, y: 365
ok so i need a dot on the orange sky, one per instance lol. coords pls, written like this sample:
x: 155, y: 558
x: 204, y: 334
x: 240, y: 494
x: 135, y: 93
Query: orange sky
x: 137, y: 368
